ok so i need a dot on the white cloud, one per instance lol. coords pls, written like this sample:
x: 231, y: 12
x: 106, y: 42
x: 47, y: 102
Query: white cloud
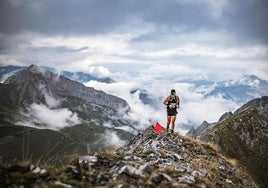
x: 168, y: 70
x: 194, y: 108
x: 50, y: 100
x: 5, y: 76
x: 10, y: 60
x: 41, y: 116
x: 99, y: 71
x: 48, y: 115
x: 112, y: 139
x: 123, y: 90
x: 108, y: 124
x: 212, y: 51
x: 200, y: 109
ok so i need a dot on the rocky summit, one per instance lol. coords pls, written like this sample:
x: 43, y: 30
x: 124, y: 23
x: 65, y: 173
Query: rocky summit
x: 148, y: 160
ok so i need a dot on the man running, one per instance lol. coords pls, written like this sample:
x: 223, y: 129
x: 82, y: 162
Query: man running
x: 172, y: 102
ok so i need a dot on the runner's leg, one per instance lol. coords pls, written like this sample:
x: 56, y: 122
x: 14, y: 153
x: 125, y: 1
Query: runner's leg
x: 168, y: 121
x: 173, y: 119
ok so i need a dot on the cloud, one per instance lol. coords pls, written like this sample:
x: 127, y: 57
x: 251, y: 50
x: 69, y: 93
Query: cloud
x: 41, y: 116
x: 194, y: 108
x: 51, y: 102
x: 112, y: 139
x: 99, y: 17
x: 48, y: 115
x: 216, y: 7
x: 199, y: 50
x: 5, y: 76
x: 99, y: 71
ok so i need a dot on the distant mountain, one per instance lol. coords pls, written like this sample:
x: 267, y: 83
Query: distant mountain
x: 147, y: 160
x: 7, y: 71
x: 243, y: 136
x: 84, y: 77
x: 81, y: 77
x: 144, y: 96
x: 205, y: 126
x: 81, y: 118
x: 241, y: 90
x: 32, y: 84
x: 195, y: 132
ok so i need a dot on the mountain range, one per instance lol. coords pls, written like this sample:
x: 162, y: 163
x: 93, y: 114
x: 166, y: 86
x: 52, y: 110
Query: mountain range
x: 239, y: 90
x: 44, y: 114
x: 6, y: 71
x: 242, y: 135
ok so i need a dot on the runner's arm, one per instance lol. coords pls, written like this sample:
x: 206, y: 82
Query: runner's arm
x: 178, y: 102
x: 165, y: 102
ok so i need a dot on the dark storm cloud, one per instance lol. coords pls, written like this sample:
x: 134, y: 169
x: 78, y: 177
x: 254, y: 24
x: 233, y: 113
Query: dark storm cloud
x: 62, y: 16
x: 67, y: 16
x: 244, y: 18
x: 248, y: 20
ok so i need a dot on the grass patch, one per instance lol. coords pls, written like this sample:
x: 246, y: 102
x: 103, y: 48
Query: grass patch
x: 170, y: 171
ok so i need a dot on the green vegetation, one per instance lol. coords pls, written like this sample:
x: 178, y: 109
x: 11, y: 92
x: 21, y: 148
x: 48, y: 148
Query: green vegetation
x: 244, y: 137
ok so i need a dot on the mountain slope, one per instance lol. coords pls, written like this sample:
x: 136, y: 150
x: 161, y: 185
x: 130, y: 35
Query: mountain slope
x: 148, y: 160
x: 32, y: 92
x: 244, y: 136
x: 36, y: 80
x: 48, y: 147
x: 80, y: 118
x: 41, y: 146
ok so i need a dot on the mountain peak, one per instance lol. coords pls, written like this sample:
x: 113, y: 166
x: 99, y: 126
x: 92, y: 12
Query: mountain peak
x: 33, y: 68
x: 33, y: 84
x: 261, y: 104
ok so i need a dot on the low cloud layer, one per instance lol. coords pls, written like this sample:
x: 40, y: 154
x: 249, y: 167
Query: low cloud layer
x: 112, y: 139
x: 48, y: 115
x: 41, y: 116
x: 194, y: 107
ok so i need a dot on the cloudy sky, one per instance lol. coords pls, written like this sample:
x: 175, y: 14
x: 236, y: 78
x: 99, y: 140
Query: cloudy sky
x: 141, y: 42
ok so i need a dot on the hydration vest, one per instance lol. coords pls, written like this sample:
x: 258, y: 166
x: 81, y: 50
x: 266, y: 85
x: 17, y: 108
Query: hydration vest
x: 173, y: 100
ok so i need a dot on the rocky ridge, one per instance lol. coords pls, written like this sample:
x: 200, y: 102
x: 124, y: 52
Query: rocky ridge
x: 244, y: 136
x: 148, y: 160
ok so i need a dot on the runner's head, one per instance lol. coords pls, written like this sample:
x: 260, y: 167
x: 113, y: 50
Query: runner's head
x: 173, y: 92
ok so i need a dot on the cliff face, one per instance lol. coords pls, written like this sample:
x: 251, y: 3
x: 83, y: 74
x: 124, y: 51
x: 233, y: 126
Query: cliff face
x: 148, y: 160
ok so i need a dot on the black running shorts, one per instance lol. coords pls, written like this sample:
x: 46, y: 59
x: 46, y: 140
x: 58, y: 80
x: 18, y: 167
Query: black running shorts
x: 172, y: 112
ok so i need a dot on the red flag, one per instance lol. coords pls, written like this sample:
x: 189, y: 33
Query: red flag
x: 158, y: 128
